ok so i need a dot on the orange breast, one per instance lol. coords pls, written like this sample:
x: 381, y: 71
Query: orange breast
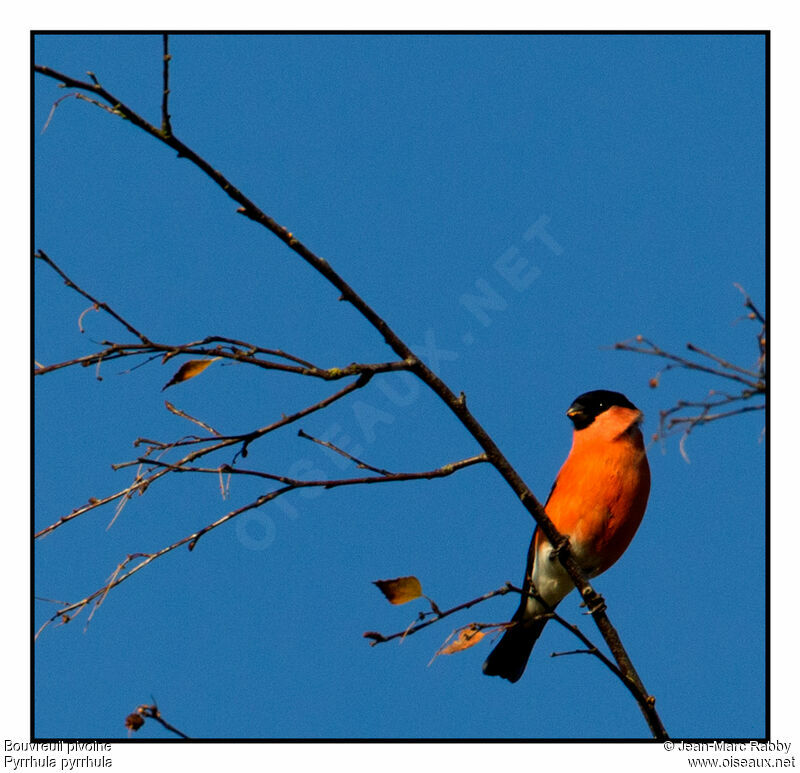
x: 601, y: 492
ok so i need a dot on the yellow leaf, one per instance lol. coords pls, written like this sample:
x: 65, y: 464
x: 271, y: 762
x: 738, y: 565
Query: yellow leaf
x: 188, y: 370
x: 468, y: 637
x: 401, y: 589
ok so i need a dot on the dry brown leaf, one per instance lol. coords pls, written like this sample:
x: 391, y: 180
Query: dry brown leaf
x: 189, y: 369
x: 401, y: 589
x: 468, y: 637
x: 134, y: 721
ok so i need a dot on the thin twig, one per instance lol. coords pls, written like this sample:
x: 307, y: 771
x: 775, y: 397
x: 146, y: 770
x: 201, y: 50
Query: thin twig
x: 218, y: 443
x: 706, y: 418
x: 379, y: 638
x: 172, y: 409
x: 329, y: 483
x: 96, y: 598
x: 701, y: 412
x: 41, y: 255
x: 227, y: 348
x: 748, y: 302
x: 646, y: 702
x: 75, y: 95
x: 682, y: 362
x: 135, y: 721
x: 166, y: 126
x: 69, y: 612
x: 457, y: 404
x: 358, y: 462
x: 725, y: 364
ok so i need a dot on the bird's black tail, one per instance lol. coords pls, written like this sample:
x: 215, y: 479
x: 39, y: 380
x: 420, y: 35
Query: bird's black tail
x: 509, y: 658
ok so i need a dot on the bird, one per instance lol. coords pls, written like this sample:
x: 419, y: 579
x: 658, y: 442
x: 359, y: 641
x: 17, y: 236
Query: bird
x: 597, y: 501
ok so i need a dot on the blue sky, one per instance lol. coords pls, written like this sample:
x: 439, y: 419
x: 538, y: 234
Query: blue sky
x: 626, y: 171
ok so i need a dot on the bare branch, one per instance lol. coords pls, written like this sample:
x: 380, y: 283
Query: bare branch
x: 166, y: 126
x: 685, y: 415
x: 141, y: 483
x: 75, y: 95
x: 361, y: 465
x: 437, y: 615
x: 41, y: 255
x: 651, y: 349
x: 172, y: 409
x: 457, y: 404
x: 95, y: 599
x: 646, y: 702
x: 748, y: 302
x: 668, y: 422
x: 725, y: 364
x: 328, y: 483
x: 135, y: 720
x: 704, y: 418
x: 226, y: 348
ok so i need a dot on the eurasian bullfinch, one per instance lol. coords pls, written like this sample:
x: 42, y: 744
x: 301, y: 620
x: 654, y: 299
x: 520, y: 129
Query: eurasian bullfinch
x: 597, y: 500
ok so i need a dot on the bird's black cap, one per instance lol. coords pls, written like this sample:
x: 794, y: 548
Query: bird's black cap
x: 588, y: 406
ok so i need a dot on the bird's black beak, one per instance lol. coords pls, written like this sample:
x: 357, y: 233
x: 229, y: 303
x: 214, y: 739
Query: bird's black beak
x: 578, y: 416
